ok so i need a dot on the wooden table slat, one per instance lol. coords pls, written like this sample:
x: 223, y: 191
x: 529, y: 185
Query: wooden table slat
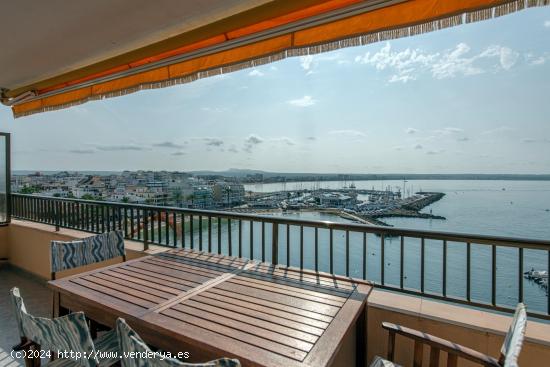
x: 242, y: 316
x: 107, y: 291
x: 264, y: 314
x: 184, y: 266
x: 238, y: 335
x: 145, y: 281
x: 289, y: 291
x: 156, y: 278
x: 133, y: 285
x: 303, y: 304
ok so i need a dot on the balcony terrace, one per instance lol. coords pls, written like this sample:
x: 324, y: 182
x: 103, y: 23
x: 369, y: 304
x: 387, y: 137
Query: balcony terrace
x: 268, y: 290
x: 25, y: 243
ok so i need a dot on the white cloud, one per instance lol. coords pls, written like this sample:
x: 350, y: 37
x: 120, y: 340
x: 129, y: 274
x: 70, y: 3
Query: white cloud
x: 508, y: 58
x: 497, y: 130
x: 536, y: 60
x: 354, y: 133
x: 306, y: 61
x: 256, y: 72
x: 547, y: 23
x: 411, y: 130
x: 448, y: 131
x: 285, y: 140
x: 305, y: 101
x: 408, y: 64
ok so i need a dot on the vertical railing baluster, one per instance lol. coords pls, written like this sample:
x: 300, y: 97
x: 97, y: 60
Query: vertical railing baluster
x: 548, y: 284
x: 166, y: 227
x: 200, y: 232
x: 316, y: 249
x: 240, y: 238
x: 494, y: 275
x: 191, y: 237
x: 251, y: 240
x: 209, y: 234
x: 152, y: 232
x: 520, y: 275
x: 468, y: 270
x: 401, y: 261
x: 275, y: 244
x: 347, y: 253
x: 139, y: 226
x: 422, y: 250
x: 126, y: 222
x: 331, y: 251
x: 444, y: 268
x: 301, y: 247
x: 382, y: 258
x: 364, y: 255
x: 288, y: 245
x: 175, y: 228
x: 145, y: 229
x: 229, y: 239
x: 263, y: 241
x: 219, y: 235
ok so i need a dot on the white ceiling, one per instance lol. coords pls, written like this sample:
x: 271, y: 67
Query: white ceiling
x: 44, y: 38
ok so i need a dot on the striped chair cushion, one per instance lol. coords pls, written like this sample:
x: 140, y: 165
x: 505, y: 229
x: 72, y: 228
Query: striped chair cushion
x: 514, y: 337
x: 68, y: 255
x: 67, y: 333
x: 130, y: 341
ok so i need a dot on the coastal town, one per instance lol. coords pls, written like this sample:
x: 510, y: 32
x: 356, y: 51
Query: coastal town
x: 207, y: 191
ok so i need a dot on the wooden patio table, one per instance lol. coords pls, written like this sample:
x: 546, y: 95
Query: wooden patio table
x: 212, y: 306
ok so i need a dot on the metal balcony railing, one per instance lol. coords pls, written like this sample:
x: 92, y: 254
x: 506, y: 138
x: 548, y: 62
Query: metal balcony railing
x: 476, y: 270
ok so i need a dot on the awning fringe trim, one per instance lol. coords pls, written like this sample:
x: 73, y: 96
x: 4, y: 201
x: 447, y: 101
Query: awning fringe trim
x: 360, y: 40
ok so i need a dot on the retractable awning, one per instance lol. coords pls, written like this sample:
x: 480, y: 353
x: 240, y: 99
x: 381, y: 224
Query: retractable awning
x: 64, y: 53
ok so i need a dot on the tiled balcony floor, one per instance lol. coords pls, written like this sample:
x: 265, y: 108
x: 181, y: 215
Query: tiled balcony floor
x: 37, y: 300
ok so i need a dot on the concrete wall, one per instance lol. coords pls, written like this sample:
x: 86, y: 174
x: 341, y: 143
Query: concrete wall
x: 29, y: 248
x: 479, y: 330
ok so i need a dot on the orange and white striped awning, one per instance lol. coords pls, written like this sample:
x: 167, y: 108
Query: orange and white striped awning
x: 266, y: 31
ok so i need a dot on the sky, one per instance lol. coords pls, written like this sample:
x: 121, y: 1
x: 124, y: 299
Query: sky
x: 468, y: 99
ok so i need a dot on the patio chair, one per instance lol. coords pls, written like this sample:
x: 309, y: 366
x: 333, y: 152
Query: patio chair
x: 509, y: 352
x: 130, y: 342
x: 77, y: 253
x: 66, y: 333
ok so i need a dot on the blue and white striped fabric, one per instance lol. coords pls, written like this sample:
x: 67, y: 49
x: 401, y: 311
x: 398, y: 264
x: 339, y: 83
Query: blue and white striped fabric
x: 514, y: 337
x: 67, y: 333
x: 72, y: 254
x: 130, y: 342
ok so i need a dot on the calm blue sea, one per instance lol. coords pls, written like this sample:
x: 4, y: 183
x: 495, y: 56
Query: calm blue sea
x: 503, y: 208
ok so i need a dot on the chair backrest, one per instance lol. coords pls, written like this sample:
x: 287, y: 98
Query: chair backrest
x: 73, y: 254
x: 513, y: 341
x: 134, y: 350
x: 67, y: 333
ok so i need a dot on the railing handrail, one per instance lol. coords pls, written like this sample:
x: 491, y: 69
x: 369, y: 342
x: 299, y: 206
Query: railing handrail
x: 517, y: 242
